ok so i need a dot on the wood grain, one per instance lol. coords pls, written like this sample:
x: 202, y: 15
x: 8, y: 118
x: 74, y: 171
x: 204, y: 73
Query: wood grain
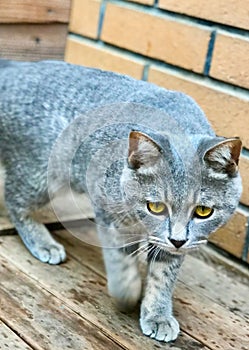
x: 63, y: 204
x: 198, y: 299
x: 32, y: 41
x: 43, y: 320
x: 38, y: 11
x: 85, y: 292
x: 213, y: 282
x: 9, y: 340
x: 206, y: 297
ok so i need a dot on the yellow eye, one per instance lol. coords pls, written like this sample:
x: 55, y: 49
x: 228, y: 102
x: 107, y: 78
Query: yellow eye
x: 157, y: 208
x: 202, y: 212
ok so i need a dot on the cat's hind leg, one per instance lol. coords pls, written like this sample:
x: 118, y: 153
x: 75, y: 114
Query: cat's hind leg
x: 22, y: 197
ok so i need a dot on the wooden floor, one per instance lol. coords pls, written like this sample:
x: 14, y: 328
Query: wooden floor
x: 67, y: 306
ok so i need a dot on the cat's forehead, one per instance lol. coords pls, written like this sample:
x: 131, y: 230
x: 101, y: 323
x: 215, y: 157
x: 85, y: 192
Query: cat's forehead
x: 176, y: 189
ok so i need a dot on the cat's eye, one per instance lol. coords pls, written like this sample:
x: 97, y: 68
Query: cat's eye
x: 202, y: 212
x: 157, y: 208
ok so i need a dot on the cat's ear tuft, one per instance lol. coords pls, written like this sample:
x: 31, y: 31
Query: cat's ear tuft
x: 143, y: 151
x: 224, y: 156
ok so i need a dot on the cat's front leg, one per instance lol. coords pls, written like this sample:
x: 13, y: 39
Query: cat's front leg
x: 124, y: 280
x: 156, y: 319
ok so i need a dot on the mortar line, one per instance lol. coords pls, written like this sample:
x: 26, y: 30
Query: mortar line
x: 101, y: 17
x: 152, y: 9
x: 210, y: 52
x: 232, y: 89
x: 145, y: 72
x: 246, y: 244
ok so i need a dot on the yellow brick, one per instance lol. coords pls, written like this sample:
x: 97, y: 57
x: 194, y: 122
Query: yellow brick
x: 83, y: 53
x: 84, y: 17
x: 162, y: 38
x: 231, y: 12
x: 244, y: 171
x: 231, y: 237
x: 231, y: 59
x: 227, y: 112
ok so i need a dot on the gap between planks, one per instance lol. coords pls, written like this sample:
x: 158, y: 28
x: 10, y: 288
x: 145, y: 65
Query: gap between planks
x: 183, y: 302
x: 212, y: 282
x: 215, y: 285
x: 85, y: 293
x: 10, y: 340
x: 42, y: 320
x: 75, y: 252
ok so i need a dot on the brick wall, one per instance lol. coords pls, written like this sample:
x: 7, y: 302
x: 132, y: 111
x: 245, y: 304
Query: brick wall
x: 33, y: 29
x: 195, y: 46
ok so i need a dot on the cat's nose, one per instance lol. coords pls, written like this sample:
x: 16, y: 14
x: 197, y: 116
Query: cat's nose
x: 178, y: 244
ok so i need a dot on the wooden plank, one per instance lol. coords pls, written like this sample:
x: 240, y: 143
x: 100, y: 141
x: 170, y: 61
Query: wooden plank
x: 9, y: 340
x: 211, y: 324
x: 85, y: 292
x: 32, y: 41
x: 30, y: 11
x: 43, y: 320
x: 217, y: 285
x: 197, y: 304
x: 62, y: 204
x: 213, y: 282
x: 213, y: 257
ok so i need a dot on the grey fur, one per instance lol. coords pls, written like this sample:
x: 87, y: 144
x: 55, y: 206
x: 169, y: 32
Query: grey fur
x: 64, y: 124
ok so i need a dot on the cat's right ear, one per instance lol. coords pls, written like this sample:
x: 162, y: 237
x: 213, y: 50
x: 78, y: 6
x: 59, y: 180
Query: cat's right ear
x: 143, y: 151
x: 223, y: 157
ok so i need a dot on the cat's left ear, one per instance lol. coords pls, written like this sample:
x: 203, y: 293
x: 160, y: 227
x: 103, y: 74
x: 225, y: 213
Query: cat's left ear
x: 143, y: 151
x: 224, y: 156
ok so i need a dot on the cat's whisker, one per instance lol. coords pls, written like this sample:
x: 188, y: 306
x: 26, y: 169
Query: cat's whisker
x: 134, y: 242
x: 155, y: 238
x: 145, y: 250
x: 119, y: 220
x: 159, y: 243
x: 138, y: 250
x: 128, y: 244
x: 196, y: 245
x: 203, y: 241
x: 157, y: 251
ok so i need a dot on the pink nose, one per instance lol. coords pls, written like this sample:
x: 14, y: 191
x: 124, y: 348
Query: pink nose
x: 178, y: 244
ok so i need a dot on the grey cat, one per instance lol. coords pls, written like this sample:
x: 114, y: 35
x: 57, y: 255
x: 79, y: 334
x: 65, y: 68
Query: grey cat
x: 159, y: 179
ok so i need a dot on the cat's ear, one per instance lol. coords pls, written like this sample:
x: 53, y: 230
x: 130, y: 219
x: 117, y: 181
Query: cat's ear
x: 143, y: 151
x: 223, y: 157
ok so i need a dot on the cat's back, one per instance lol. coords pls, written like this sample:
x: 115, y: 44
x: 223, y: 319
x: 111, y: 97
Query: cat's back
x: 53, y: 92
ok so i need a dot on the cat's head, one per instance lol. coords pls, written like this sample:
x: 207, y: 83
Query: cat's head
x: 181, y: 194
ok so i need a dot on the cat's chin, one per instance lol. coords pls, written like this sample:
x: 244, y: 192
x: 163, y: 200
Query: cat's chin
x: 176, y: 251
x: 183, y: 251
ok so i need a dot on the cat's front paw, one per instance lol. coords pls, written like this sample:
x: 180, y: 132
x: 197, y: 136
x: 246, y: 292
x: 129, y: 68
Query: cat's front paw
x: 163, y: 330
x: 53, y: 253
